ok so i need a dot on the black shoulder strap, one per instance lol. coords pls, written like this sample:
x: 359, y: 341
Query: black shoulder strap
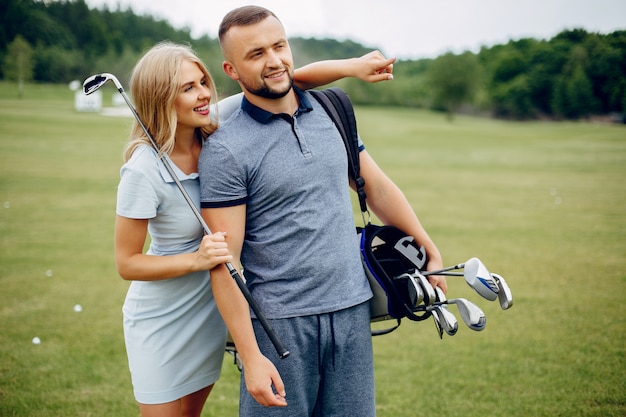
x: 339, y: 107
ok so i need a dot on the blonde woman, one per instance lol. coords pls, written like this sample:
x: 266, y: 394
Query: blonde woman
x: 174, y: 334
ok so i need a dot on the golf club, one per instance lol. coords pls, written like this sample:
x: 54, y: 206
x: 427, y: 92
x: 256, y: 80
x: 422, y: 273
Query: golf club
x: 472, y: 315
x: 429, y: 292
x: 448, y: 321
x: 505, y: 297
x: 436, y: 316
x: 94, y: 83
x: 444, y: 319
x: 411, y: 290
x: 438, y: 325
x: 476, y: 275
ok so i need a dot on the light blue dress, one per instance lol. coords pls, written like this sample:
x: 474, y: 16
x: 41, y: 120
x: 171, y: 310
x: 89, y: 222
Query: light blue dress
x: 175, y: 336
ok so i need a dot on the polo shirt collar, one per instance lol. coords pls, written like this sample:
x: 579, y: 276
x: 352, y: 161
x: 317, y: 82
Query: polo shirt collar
x: 165, y: 174
x: 264, y: 117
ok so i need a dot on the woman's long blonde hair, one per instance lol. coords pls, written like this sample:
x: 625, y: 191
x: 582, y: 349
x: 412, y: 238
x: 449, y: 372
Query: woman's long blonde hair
x: 154, y: 86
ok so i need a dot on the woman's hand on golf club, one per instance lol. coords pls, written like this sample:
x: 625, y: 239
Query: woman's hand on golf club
x: 213, y: 251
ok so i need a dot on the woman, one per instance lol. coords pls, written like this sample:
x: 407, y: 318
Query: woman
x: 175, y: 337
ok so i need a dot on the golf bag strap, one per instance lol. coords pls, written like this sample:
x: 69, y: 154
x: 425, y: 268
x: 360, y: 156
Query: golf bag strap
x: 386, y: 331
x: 339, y: 107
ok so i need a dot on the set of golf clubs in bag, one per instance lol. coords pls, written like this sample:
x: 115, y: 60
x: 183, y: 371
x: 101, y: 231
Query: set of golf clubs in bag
x: 422, y: 298
x: 395, y: 267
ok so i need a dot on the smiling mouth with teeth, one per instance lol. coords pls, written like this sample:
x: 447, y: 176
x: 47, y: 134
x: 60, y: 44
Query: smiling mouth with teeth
x: 276, y: 74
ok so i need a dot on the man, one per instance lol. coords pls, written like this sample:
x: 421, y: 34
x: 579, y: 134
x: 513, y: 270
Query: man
x: 275, y: 178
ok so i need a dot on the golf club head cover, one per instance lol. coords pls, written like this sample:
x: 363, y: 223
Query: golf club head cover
x: 387, y: 253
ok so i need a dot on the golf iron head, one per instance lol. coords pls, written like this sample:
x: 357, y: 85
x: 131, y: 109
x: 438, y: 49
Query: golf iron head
x: 505, y: 297
x: 472, y: 315
x: 444, y: 319
x: 411, y: 290
x: 96, y: 81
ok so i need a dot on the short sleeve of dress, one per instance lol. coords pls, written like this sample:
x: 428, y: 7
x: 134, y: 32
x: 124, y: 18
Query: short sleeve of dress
x: 136, y: 195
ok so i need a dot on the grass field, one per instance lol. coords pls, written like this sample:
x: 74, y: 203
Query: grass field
x: 543, y: 204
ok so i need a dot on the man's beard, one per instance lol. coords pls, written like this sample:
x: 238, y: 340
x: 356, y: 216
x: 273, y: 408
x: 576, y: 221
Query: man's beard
x: 265, y: 91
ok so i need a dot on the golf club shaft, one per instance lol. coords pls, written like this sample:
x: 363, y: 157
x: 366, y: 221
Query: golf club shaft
x: 278, y: 345
x: 439, y: 271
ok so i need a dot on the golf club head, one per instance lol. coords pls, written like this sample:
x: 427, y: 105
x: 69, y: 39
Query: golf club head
x: 478, y: 277
x: 440, y: 296
x: 409, y: 289
x: 444, y: 319
x: 447, y: 320
x: 505, y: 297
x: 437, y: 321
x: 96, y: 81
x: 472, y: 315
x: 429, y: 292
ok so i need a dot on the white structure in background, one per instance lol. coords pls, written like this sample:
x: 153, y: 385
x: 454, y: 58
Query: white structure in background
x: 83, y: 102
x: 118, y: 100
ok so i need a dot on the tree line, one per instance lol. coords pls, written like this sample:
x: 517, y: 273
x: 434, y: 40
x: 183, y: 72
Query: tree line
x: 575, y: 74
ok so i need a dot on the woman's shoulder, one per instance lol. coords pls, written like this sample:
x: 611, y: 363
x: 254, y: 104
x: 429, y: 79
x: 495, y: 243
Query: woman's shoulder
x: 142, y: 160
x: 228, y: 106
x: 142, y: 154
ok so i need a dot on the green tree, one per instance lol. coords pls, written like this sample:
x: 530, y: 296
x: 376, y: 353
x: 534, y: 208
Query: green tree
x: 18, y: 65
x: 580, y: 94
x: 513, y: 100
x: 454, y: 80
x: 574, y: 96
x: 60, y: 65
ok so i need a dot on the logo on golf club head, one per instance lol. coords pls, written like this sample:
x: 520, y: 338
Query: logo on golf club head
x: 408, y: 249
x: 479, y: 278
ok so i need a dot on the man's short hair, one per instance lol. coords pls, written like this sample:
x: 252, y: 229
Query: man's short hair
x: 243, y: 16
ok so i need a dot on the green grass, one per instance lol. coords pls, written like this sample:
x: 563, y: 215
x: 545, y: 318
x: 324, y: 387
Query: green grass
x: 543, y: 204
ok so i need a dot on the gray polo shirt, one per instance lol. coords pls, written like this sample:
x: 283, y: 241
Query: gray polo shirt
x: 300, y: 251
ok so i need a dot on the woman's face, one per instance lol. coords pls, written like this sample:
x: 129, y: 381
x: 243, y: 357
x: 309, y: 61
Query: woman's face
x: 192, y: 102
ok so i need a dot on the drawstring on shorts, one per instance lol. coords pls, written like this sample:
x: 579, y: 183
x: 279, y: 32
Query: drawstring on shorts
x: 331, y: 322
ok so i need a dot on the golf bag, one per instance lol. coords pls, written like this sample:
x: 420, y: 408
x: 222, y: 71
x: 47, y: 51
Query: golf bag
x: 390, y: 257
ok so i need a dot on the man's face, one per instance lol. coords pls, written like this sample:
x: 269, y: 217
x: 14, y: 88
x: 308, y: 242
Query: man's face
x: 259, y: 58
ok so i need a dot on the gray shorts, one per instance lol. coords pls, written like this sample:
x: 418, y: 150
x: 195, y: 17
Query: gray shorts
x: 330, y: 369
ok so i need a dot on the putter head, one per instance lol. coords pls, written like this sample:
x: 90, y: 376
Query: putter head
x: 505, y: 297
x: 478, y: 277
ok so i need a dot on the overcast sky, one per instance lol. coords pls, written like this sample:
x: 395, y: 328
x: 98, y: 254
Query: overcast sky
x: 408, y: 29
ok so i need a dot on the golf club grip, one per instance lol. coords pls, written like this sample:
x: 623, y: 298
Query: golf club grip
x: 278, y: 345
